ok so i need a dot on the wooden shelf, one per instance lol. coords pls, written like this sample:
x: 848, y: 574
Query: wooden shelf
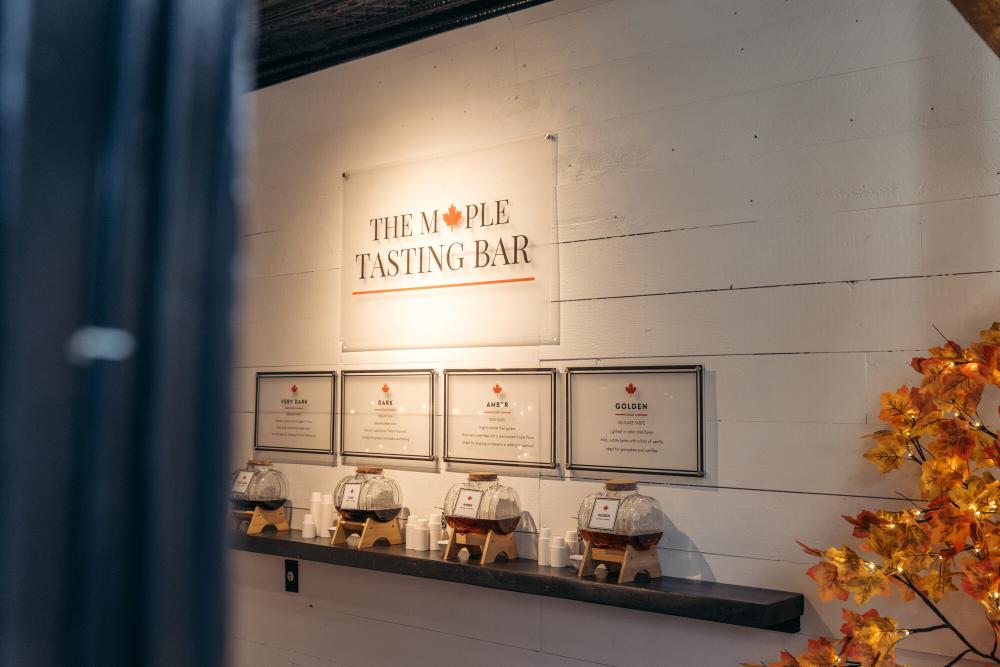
x: 704, y: 600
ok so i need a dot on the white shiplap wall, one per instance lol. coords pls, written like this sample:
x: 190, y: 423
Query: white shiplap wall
x: 789, y: 192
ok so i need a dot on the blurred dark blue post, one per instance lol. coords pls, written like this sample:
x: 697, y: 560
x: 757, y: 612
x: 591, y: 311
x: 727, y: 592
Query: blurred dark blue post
x: 119, y: 133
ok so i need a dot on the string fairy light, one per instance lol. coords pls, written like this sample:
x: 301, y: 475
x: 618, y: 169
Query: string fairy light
x: 954, y: 483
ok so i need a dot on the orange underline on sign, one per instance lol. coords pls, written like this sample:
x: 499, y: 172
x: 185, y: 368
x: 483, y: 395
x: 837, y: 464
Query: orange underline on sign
x: 625, y: 414
x: 496, y: 412
x: 421, y: 287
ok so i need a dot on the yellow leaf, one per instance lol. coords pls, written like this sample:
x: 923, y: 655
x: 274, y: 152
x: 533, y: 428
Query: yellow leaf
x: 991, y: 335
x: 821, y: 653
x: 888, y: 452
x: 884, y: 541
x: 939, y: 476
x: 848, y: 562
x: 865, y: 587
x: 937, y: 584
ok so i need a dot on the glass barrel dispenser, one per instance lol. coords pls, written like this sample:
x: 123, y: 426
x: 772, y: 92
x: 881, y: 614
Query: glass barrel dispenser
x: 368, y: 494
x: 619, y: 516
x: 483, y: 515
x: 481, y: 504
x: 368, y: 503
x: 258, y: 493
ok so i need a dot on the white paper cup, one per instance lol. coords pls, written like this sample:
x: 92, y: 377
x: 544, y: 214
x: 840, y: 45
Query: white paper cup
x: 543, y: 550
x: 308, y: 527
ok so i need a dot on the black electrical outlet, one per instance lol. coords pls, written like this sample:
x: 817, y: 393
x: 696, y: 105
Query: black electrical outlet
x: 291, y: 576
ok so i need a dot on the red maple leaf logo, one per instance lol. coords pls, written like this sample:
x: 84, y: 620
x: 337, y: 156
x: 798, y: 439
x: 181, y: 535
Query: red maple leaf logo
x: 452, y: 217
x: 497, y: 389
x: 295, y: 388
x: 631, y: 389
x: 605, y: 507
x: 469, y: 498
x: 385, y: 389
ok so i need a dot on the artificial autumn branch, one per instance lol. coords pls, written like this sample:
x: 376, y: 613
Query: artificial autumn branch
x: 949, y: 540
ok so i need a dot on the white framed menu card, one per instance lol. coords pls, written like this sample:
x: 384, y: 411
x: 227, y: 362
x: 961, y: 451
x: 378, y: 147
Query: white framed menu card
x: 500, y: 417
x: 387, y: 414
x: 294, y: 412
x: 639, y: 419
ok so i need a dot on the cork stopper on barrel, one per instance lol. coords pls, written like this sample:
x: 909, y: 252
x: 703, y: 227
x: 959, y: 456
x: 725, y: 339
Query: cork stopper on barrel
x: 482, y: 476
x: 620, y: 485
x: 369, y: 470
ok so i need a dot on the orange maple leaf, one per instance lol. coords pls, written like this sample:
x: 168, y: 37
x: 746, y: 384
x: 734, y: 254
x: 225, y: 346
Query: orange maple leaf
x: 955, y: 439
x: 951, y: 525
x: 295, y: 388
x: 909, y: 409
x: 786, y: 661
x: 385, y: 389
x: 825, y: 575
x: 821, y: 653
x: 452, y: 217
x: 497, y: 389
x: 630, y: 389
x: 949, y: 542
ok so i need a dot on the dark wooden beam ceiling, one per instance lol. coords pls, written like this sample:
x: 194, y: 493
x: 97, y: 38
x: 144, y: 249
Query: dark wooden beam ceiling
x: 301, y: 36
x: 984, y: 17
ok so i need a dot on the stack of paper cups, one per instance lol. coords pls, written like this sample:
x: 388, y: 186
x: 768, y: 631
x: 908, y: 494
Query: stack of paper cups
x: 422, y: 535
x: 411, y: 532
x: 325, y: 516
x: 316, y: 505
x: 558, y: 552
x: 308, y: 527
x: 573, y: 542
x: 544, y: 537
x: 435, y: 528
x: 401, y: 520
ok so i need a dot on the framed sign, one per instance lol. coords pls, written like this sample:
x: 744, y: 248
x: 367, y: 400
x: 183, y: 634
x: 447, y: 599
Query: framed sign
x: 293, y: 412
x: 387, y: 414
x: 642, y: 419
x: 452, y: 245
x: 500, y: 417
